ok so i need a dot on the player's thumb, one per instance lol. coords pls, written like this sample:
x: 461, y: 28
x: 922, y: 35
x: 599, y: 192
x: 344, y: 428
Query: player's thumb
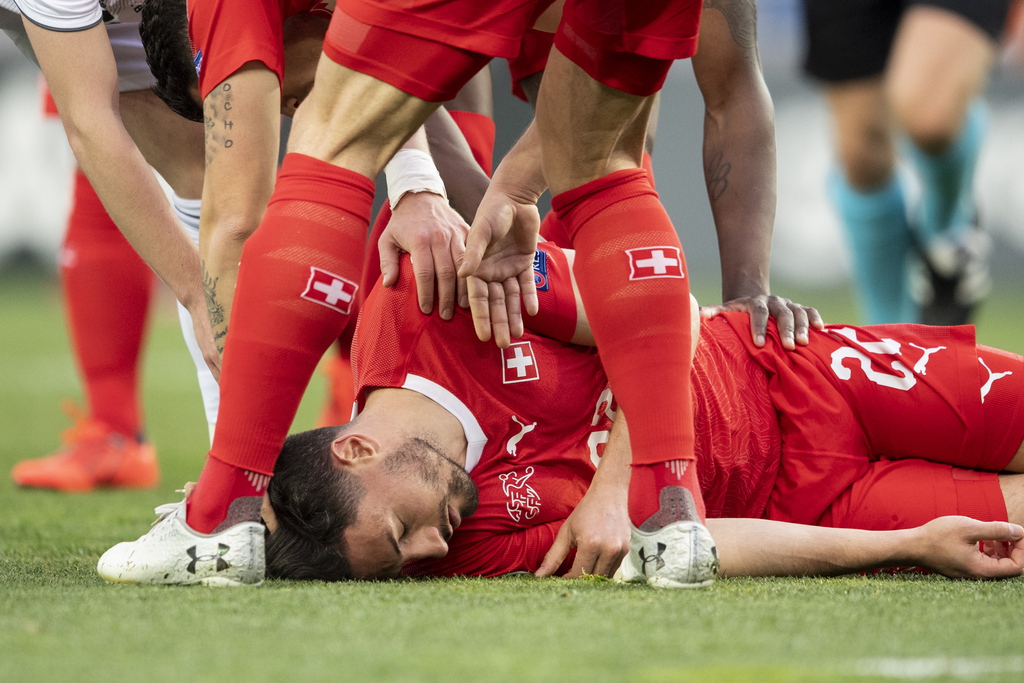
x: 996, y: 531
x: 556, y: 555
x: 476, y: 245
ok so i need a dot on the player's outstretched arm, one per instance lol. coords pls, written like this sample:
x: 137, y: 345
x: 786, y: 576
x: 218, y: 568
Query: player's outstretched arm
x: 498, y: 262
x: 948, y: 545
x: 80, y: 71
x: 463, y: 178
x: 739, y: 168
x: 425, y: 226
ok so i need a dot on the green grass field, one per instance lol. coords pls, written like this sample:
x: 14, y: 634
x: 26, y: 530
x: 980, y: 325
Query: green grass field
x: 60, y: 621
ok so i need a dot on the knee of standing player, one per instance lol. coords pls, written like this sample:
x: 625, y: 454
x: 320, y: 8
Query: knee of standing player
x: 866, y: 155
x: 930, y: 117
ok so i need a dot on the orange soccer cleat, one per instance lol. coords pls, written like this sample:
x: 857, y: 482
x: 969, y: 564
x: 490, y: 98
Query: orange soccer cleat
x: 92, y: 456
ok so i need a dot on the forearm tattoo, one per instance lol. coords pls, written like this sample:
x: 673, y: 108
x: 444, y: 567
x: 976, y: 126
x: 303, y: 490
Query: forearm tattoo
x: 217, y: 119
x: 741, y: 15
x: 214, y: 308
x: 716, y: 175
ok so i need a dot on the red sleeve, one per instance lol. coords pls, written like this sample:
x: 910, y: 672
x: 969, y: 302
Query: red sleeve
x: 493, y: 554
x: 226, y: 34
x: 557, y: 315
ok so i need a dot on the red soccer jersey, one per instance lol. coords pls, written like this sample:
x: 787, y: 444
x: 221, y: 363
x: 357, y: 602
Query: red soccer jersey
x: 534, y: 415
x: 226, y: 34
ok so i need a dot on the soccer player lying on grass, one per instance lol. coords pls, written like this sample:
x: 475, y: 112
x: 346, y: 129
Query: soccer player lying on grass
x: 469, y: 459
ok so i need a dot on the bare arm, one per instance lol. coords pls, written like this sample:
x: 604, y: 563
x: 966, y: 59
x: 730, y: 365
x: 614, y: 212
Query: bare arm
x: 739, y: 165
x: 465, y: 181
x: 948, y: 545
x: 242, y: 116
x: 80, y: 70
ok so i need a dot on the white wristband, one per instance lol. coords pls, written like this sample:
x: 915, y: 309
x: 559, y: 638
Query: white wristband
x: 412, y: 170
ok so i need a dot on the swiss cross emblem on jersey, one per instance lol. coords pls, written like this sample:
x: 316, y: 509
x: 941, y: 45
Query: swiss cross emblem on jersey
x: 647, y: 263
x: 518, y: 364
x: 328, y: 289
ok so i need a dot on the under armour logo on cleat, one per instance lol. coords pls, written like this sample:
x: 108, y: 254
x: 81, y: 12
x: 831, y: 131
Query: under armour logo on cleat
x: 645, y: 558
x: 222, y: 564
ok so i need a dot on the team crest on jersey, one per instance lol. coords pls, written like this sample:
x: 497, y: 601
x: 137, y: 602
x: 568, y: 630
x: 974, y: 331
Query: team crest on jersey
x: 518, y: 364
x: 540, y: 271
x: 647, y: 263
x: 523, y: 500
x: 330, y: 290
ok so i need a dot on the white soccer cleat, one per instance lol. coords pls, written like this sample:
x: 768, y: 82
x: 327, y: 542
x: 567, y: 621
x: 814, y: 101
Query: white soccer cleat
x: 679, y: 555
x: 173, y: 554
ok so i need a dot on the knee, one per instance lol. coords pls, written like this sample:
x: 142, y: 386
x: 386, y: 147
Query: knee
x: 867, y: 157
x: 931, y: 129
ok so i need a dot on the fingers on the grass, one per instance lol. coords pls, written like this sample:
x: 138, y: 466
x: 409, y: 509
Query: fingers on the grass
x: 585, y: 562
x: 498, y: 314
x: 554, y: 557
x: 480, y: 306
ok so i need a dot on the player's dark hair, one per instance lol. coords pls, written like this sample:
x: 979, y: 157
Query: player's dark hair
x: 314, y: 501
x: 164, y: 31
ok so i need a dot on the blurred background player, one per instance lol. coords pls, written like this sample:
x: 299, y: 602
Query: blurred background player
x: 917, y: 67
x: 107, y: 290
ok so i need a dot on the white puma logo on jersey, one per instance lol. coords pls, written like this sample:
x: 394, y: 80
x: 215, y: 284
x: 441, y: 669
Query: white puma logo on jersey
x: 992, y: 377
x: 920, y: 367
x: 510, y: 447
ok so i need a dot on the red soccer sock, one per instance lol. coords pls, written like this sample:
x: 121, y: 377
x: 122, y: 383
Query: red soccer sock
x: 478, y: 129
x: 296, y: 285
x: 107, y: 290
x: 632, y: 277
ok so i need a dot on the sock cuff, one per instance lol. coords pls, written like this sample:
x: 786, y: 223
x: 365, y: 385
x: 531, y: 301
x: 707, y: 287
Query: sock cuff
x: 305, y: 178
x: 580, y: 204
x: 861, y: 204
x: 479, y: 130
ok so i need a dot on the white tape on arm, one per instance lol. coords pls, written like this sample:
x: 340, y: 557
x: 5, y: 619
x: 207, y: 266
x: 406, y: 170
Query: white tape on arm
x: 412, y: 170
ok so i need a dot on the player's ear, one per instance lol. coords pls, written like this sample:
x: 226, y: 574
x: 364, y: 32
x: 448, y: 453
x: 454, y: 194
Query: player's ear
x: 354, y: 450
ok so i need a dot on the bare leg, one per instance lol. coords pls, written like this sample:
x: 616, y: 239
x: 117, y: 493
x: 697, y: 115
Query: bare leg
x: 360, y: 131
x: 863, y: 134
x: 940, y: 62
x: 1012, y: 486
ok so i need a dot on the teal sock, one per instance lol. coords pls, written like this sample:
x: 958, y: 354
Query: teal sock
x: 947, y: 179
x: 879, y: 237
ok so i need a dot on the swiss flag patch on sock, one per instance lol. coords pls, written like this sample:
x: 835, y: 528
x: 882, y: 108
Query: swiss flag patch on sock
x: 653, y: 262
x: 327, y: 289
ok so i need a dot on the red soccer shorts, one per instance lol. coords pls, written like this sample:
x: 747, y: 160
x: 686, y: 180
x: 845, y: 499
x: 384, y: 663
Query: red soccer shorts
x: 888, y: 425
x: 431, y: 48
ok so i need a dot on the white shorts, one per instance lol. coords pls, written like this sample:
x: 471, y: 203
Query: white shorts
x: 132, y: 70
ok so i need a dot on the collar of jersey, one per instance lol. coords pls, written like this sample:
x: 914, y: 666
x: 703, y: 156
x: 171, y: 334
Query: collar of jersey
x: 475, y: 436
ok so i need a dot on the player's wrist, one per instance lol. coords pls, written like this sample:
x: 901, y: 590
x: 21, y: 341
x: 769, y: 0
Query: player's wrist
x: 412, y: 171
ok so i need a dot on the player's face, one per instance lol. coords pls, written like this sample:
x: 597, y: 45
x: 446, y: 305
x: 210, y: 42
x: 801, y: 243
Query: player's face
x: 408, y: 513
x: 303, y: 43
